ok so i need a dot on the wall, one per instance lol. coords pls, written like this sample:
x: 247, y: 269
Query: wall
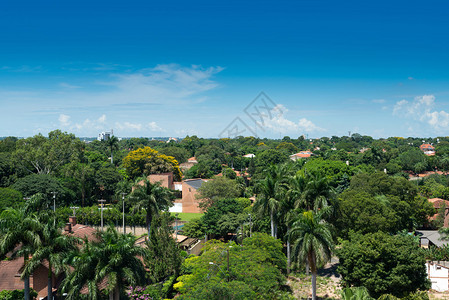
x: 438, y: 275
x: 189, y: 203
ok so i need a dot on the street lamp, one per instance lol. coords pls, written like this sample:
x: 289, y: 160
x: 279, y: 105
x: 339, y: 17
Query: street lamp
x: 123, y: 200
x: 102, y: 201
x: 54, y: 201
x: 250, y: 225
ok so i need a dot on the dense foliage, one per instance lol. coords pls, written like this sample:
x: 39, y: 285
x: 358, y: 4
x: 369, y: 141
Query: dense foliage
x: 383, y: 264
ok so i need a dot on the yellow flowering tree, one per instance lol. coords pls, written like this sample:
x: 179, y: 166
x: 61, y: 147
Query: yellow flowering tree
x: 146, y: 161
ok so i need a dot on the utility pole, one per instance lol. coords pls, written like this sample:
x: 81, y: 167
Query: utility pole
x: 176, y: 225
x: 102, y: 201
x: 123, y: 200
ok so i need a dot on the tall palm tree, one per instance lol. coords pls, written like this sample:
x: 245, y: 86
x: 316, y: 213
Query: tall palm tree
x: 113, y: 260
x: 112, y: 143
x: 271, y: 190
x: 317, y: 191
x: 152, y: 197
x: 53, y: 248
x: 312, y: 240
x: 83, y: 275
x: 295, y: 189
x: 19, y: 227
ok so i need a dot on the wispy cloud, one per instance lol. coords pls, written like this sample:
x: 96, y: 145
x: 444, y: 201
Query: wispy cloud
x: 279, y: 123
x: 422, y: 109
x: 64, y: 120
x: 69, y: 86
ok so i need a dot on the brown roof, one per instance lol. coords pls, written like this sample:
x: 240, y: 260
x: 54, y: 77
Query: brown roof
x: 10, y: 274
x: 82, y: 231
x: 438, y: 202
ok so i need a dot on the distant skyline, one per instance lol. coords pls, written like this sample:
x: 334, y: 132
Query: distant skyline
x: 177, y: 68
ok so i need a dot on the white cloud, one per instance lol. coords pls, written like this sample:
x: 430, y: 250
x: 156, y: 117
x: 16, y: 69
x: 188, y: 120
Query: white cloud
x: 279, y: 123
x: 125, y: 126
x: 64, y: 120
x: 128, y: 126
x: 422, y: 109
x: 102, y: 119
x: 154, y: 127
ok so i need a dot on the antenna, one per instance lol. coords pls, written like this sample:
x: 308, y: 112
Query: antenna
x: 74, y: 209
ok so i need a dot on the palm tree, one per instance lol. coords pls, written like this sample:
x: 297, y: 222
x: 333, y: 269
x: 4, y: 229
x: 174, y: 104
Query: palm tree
x: 20, y: 227
x: 317, y: 191
x: 84, y: 262
x: 113, y: 260
x: 112, y: 143
x: 312, y: 240
x: 53, y: 248
x: 295, y: 189
x: 271, y: 190
x: 152, y: 197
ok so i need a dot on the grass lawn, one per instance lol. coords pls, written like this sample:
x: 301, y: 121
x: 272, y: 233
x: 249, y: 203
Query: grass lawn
x: 187, y: 216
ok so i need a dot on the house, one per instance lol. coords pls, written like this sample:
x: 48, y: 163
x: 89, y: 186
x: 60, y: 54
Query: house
x: 190, y: 203
x: 440, y: 204
x: 428, y: 149
x: 430, y: 238
x: 250, y: 155
x: 165, y: 179
x: 187, y: 165
x: 301, y: 155
x: 438, y: 274
x: 11, y: 269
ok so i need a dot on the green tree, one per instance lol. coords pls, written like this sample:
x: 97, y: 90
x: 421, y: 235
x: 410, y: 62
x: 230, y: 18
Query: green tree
x: 252, y: 271
x: 42, y: 183
x: 163, y: 258
x: 216, y: 189
x: 114, y: 259
x: 152, y: 197
x: 10, y: 198
x: 112, y: 143
x: 44, y: 155
x: 383, y: 264
x: 312, y: 241
x: 361, y: 212
x: 19, y: 227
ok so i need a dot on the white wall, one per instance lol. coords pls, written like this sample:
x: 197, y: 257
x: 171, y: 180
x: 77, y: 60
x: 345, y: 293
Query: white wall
x: 177, y: 208
x: 439, y: 276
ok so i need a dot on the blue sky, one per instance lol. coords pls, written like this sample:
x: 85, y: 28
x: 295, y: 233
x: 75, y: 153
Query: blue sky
x: 172, y: 68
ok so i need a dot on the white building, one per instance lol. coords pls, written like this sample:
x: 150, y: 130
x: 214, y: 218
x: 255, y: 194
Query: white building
x: 105, y: 135
x: 438, y: 274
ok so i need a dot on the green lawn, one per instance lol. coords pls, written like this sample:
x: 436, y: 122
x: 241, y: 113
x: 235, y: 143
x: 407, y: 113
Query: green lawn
x: 187, y: 216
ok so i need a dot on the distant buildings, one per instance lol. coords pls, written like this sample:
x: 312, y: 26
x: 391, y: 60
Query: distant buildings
x: 301, y: 155
x: 428, y: 149
x: 105, y: 135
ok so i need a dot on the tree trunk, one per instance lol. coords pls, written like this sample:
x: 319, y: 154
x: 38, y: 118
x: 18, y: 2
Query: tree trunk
x: 49, y: 284
x: 288, y: 252
x: 26, y: 281
x: 314, y: 285
x: 272, y: 223
x: 312, y: 260
x: 26, y: 290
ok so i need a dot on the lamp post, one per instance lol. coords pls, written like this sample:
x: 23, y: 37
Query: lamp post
x: 102, y: 201
x: 123, y: 200
x: 54, y: 201
x: 250, y: 225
